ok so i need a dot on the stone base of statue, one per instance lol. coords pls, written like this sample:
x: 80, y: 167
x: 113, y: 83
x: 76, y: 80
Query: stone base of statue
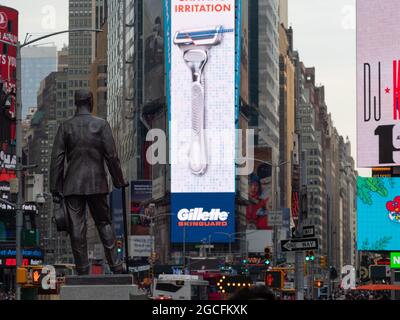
x: 102, y: 287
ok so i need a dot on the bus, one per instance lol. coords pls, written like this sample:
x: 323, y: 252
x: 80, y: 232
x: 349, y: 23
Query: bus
x: 179, y: 287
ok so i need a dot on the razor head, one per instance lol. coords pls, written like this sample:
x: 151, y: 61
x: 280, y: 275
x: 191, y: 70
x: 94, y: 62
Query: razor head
x: 199, y: 37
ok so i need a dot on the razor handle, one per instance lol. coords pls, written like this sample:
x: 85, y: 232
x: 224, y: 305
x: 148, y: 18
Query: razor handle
x: 198, y: 150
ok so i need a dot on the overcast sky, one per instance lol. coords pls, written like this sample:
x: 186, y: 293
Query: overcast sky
x: 39, y: 17
x: 324, y: 34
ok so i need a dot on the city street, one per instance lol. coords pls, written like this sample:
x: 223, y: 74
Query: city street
x: 199, y: 150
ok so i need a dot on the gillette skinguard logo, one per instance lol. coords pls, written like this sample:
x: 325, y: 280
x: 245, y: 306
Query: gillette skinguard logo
x: 199, y: 218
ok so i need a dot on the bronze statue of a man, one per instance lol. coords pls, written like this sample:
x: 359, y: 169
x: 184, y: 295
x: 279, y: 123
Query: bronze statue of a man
x: 82, y: 147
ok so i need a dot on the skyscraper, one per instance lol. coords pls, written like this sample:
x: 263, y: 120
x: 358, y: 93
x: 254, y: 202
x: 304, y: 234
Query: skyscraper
x: 37, y: 63
x: 80, y: 48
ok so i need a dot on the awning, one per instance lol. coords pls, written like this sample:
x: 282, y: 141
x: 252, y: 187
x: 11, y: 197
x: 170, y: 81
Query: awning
x: 378, y: 287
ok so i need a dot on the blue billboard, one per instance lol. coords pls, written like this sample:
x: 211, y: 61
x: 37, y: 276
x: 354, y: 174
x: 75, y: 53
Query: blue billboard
x: 202, y: 217
x: 378, y: 214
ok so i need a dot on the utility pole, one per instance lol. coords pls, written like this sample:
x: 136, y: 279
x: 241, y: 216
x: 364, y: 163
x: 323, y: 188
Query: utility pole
x: 299, y: 255
x: 184, y: 249
x: 275, y: 231
x: 20, y: 199
x: 153, y: 249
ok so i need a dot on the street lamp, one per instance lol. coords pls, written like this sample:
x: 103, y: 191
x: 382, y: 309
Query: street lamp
x: 19, y: 166
x: 230, y: 235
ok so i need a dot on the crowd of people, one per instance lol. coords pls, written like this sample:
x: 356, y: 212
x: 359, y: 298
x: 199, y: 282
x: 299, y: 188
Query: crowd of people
x: 361, y: 295
x: 9, y: 295
x: 368, y: 295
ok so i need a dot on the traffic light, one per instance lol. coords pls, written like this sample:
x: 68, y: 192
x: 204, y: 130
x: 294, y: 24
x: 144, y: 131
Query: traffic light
x: 226, y: 268
x: 323, y: 262
x: 22, y: 276
x: 310, y: 257
x: 275, y: 279
x: 244, y: 271
x: 36, y: 276
x: 319, y: 283
x: 29, y: 276
x: 267, y: 255
x: 119, y: 246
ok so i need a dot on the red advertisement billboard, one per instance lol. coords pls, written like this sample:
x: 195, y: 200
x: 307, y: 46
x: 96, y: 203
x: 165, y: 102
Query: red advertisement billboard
x: 260, y: 191
x: 8, y: 66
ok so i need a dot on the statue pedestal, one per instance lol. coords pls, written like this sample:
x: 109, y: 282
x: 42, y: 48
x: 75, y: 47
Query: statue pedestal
x: 103, y: 287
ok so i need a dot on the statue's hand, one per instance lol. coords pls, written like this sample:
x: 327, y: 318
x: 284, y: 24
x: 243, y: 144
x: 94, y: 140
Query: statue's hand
x: 57, y: 197
x: 122, y: 185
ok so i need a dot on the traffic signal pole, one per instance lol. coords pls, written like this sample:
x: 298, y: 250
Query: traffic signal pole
x: 299, y: 275
x: 299, y: 256
x: 20, y: 200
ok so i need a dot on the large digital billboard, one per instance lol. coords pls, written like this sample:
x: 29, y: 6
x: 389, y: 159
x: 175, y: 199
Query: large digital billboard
x: 202, y: 98
x: 378, y: 214
x: 8, y: 67
x: 378, y: 83
x: 260, y: 191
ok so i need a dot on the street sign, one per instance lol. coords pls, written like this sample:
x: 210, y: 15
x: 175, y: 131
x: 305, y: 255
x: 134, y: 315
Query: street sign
x: 299, y: 244
x: 308, y: 231
x: 289, y: 286
x: 395, y: 260
x: 275, y: 218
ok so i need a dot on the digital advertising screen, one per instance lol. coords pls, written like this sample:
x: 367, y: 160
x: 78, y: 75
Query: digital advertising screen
x: 202, y: 98
x: 8, y: 69
x: 260, y: 191
x: 378, y: 214
x: 378, y: 83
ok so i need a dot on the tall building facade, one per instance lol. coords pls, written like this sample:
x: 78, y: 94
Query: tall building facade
x: 264, y: 75
x: 328, y: 175
x: 37, y: 63
x: 119, y: 104
x: 52, y: 101
x: 80, y: 48
x: 287, y: 118
x: 98, y: 74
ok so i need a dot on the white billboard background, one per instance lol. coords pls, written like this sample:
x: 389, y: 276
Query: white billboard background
x: 219, y: 78
x: 378, y: 35
x: 140, y: 246
x: 257, y: 240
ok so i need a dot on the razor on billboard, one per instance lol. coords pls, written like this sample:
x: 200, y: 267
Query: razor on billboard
x: 378, y: 214
x: 378, y: 83
x: 202, y: 102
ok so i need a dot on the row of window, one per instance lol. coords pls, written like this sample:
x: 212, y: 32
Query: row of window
x: 80, y: 41
x: 78, y: 83
x: 80, y: 4
x: 81, y: 51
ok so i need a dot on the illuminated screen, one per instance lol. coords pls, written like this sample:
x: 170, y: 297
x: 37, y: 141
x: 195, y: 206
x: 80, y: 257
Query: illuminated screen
x: 378, y: 211
x: 202, y: 100
x: 378, y: 83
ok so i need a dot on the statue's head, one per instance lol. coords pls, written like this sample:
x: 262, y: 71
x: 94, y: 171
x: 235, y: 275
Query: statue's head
x: 84, y: 99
